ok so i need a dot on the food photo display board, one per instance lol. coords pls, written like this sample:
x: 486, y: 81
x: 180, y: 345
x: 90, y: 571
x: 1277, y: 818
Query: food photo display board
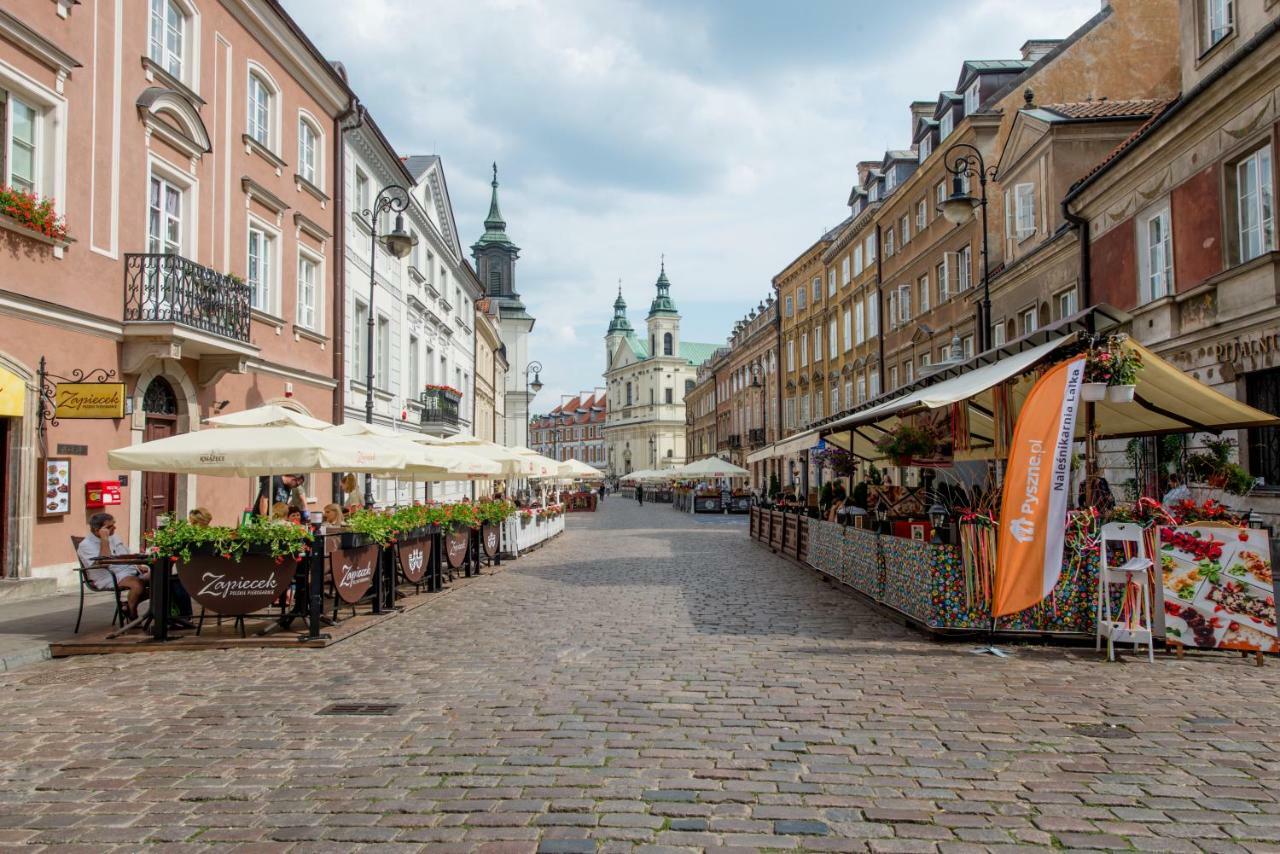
x: 1219, y: 591
x: 55, y: 497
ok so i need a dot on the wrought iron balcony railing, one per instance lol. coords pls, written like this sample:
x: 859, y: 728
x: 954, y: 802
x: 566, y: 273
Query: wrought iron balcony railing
x: 756, y: 436
x: 173, y: 289
x: 735, y: 441
x: 439, y: 407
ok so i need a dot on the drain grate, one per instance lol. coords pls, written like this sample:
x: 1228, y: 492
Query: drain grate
x: 360, y: 709
x: 70, y: 675
x: 1103, y: 730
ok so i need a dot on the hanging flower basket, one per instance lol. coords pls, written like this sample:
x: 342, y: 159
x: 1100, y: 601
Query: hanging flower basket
x: 1121, y: 393
x: 906, y: 442
x: 1116, y: 368
x: 1093, y: 391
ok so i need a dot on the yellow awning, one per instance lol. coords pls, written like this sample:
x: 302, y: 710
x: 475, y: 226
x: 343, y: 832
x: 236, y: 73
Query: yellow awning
x: 13, y: 394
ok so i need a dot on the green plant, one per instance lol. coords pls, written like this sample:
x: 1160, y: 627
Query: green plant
x: 379, y: 527
x: 33, y: 212
x: 179, y: 539
x: 905, y: 442
x: 494, y: 512
x: 1220, y: 449
x: 1114, y: 364
x: 1238, y: 480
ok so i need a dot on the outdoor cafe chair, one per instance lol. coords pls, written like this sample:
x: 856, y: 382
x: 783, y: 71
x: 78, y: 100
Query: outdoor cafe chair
x: 1135, y: 621
x: 87, y: 584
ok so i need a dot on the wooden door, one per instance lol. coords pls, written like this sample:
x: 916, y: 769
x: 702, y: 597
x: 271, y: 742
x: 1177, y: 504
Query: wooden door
x: 159, y: 489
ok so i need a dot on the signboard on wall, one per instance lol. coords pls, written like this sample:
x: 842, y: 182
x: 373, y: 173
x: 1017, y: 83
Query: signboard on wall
x: 89, y: 400
x: 12, y: 394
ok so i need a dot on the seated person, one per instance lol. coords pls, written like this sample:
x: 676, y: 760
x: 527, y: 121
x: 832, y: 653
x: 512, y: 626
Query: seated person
x: 200, y: 518
x: 279, y: 512
x: 294, y: 516
x: 103, y: 542
x: 333, y: 517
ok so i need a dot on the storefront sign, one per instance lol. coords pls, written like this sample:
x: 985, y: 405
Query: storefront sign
x: 1240, y: 348
x: 13, y: 394
x: 353, y: 571
x: 73, y: 450
x: 413, y: 559
x: 89, y: 400
x: 489, y: 539
x: 235, y: 588
x: 1037, y: 487
x: 455, y: 546
x: 1218, y: 587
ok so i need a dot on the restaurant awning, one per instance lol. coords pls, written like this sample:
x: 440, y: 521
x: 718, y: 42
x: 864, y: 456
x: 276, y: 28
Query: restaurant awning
x: 1167, y: 401
x: 786, y: 447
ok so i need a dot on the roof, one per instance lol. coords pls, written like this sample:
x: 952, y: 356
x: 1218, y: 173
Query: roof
x: 900, y: 154
x: 1102, y: 109
x: 638, y: 347
x: 696, y: 353
x: 1119, y: 151
x: 418, y: 164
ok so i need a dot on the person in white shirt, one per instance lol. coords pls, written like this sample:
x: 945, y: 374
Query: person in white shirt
x: 1178, y: 491
x: 103, y: 542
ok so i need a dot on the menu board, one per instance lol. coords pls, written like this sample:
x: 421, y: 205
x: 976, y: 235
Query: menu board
x: 55, y: 486
x: 1218, y: 587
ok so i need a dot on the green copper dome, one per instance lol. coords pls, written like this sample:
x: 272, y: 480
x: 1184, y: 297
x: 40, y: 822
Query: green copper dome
x: 495, y: 227
x: 619, y: 323
x: 662, y: 303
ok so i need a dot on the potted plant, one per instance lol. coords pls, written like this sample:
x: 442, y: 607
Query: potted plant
x: 905, y: 442
x: 180, y: 540
x: 1124, y: 379
x: 370, y: 527
x: 1097, y: 374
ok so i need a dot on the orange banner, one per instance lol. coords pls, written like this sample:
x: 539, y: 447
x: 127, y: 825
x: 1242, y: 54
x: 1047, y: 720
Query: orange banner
x: 1037, y: 489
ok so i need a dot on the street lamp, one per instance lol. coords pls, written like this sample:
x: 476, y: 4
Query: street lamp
x: 963, y: 161
x: 399, y: 243
x: 653, y: 452
x: 536, y: 386
x: 756, y: 371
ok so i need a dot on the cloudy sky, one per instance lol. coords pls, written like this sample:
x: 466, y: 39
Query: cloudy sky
x: 722, y: 133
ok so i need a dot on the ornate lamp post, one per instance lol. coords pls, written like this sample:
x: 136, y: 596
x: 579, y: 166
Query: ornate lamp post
x: 535, y: 386
x: 965, y: 161
x: 399, y: 243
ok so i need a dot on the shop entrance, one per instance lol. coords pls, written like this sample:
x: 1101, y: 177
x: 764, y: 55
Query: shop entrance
x: 159, y: 489
x: 1262, y: 390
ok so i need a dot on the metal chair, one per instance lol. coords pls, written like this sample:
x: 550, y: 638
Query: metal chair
x: 87, y: 583
x: 1135, y: 570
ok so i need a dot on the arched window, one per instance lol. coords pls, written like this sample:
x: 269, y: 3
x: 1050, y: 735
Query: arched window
x: 261, y: 124
x: 667, y: 342
x: 309, y: 150
x: 159, y: 398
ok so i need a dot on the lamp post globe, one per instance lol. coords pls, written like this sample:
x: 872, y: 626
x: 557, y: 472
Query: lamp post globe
x: 399, y: 242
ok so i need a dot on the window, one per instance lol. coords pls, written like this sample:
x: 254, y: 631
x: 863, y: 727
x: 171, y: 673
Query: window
x: 1254, y: 203
x: 309, y: 153
x: 893, y: 309
x: 857, y: 260
x: 888, y: 243
x: 1065, y: 303
x: 791, y: 355
x: 817, y: 404
x: 804, y: 349
x: 971, y: 98
x: 848, y: 327
x: 966, y: 347
x: 1218, y: 15
x: 904, y: 228
x: 944, y: 124
x: 261, y: 268
x: 890, y: 179
x: 835, y: 399
x: 963, y: 265
x: 164, y: 218
x: 382, y: 343
x: 909, y: 371
x: 926, y: 359
x: 844, y: 272
x: 817, y: 344
x: 628, y: 394
x: 857, y: 322
x: 922, y: 293
x: 940, y: 192
x: 168, y: 25
x: 848, y: 393
x: 668, y: 395
x: 1021, y: 220
x: 997, y: 333
x: 833, y: 341
x: 926, y: 146
x: 668, y: 344
x: 308, y: 285
x: 362, y: 201
x: 875, y: 382
x: 893, y: 377
x: 904, y: 303
x: 260, y: 109
x: 802, y: 297
x: 862, y: 389
x: 414, y: 385
x: 1028, y: 320
x: 789, y: 310
x: 941, y: 271
x: 789, y: 411
x: 20, y: 145
x: 804, y: 409
x: 817, y: 287
x: 871, y: 249
x: 873, y: 314
x: 922, y: 215
x: 1155, y: 256
x: 360, y: 342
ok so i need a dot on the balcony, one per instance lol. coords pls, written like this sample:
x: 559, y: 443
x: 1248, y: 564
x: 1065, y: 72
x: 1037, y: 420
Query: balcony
x: 735, y: 441
x: 440, y: 410
x: 175, y: 308
x: 755, y: 436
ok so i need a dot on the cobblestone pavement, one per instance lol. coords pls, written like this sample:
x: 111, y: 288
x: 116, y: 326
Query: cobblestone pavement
x: 648, y: 679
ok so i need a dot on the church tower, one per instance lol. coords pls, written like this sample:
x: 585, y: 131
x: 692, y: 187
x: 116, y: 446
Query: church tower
x: 619, y: 328
x: 663, y: 320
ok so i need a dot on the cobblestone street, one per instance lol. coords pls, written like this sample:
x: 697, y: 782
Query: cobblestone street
x: 647, y: 679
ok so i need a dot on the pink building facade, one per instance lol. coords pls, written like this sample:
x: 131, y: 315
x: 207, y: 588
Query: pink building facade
x: 192, y: 148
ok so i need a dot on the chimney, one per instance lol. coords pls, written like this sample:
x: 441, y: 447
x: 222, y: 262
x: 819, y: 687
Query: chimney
x: 1034, y: 49
x: 864, y: 168
x: 921, y: 110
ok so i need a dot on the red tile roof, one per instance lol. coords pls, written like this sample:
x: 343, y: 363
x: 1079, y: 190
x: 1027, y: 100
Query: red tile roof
x: 1107, y: 109
x: 1125, y: 145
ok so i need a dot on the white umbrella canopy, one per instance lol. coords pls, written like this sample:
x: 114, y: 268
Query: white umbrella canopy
x: 578, y: 470
x: 271, y: 415
x: 423, y: 461
x: 512, y: 463
x: 710, y: 467
x: 547, y: 467
x: 253, y: 451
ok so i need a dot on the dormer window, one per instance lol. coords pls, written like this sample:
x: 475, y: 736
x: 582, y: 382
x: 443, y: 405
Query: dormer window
x: 890, y: 179
x: 944, y: 124
x: 926, y: 146
x: 971, y: 102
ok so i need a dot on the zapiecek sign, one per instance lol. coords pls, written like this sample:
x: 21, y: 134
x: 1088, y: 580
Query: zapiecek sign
x: 89, y: 400
x: 353, y: 570
x: 235, y: 588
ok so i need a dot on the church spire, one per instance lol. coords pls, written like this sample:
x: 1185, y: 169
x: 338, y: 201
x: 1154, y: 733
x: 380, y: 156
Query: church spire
x: 662, y: 303
x: 495, y: 227
x: 619, y: 323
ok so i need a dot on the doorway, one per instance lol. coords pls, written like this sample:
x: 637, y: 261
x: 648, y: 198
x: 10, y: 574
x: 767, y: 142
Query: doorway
x: 159, y: 489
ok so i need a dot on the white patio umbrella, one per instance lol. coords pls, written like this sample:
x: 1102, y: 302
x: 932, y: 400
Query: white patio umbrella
x: 578, y: 470
x: 267, y: 416
x: 547, y: 467
x: 512, y: 464
x: 423, y: 461
x: 253, y: 451
x: 710, y: 467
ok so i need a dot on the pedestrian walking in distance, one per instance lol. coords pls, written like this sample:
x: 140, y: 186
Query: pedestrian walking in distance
x: 640, y: 495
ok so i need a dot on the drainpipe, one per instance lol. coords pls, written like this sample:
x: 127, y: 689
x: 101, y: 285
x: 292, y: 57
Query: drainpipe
x: 339, y: 312
x: 1081, y: 226
x: 881, y: 316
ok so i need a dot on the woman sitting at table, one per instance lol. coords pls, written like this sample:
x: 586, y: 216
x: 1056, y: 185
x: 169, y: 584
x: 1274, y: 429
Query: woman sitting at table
x: 333, y: 517
x: 280, y: 512
x: 102, y: 542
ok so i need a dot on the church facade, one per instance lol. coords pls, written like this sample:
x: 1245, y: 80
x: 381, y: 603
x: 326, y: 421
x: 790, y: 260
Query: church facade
x: 646, y: 377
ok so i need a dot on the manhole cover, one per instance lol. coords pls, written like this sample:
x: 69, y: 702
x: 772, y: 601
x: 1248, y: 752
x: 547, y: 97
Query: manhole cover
x: 360, y: 709
x: 69, y: 676
x: 1103, y: 730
